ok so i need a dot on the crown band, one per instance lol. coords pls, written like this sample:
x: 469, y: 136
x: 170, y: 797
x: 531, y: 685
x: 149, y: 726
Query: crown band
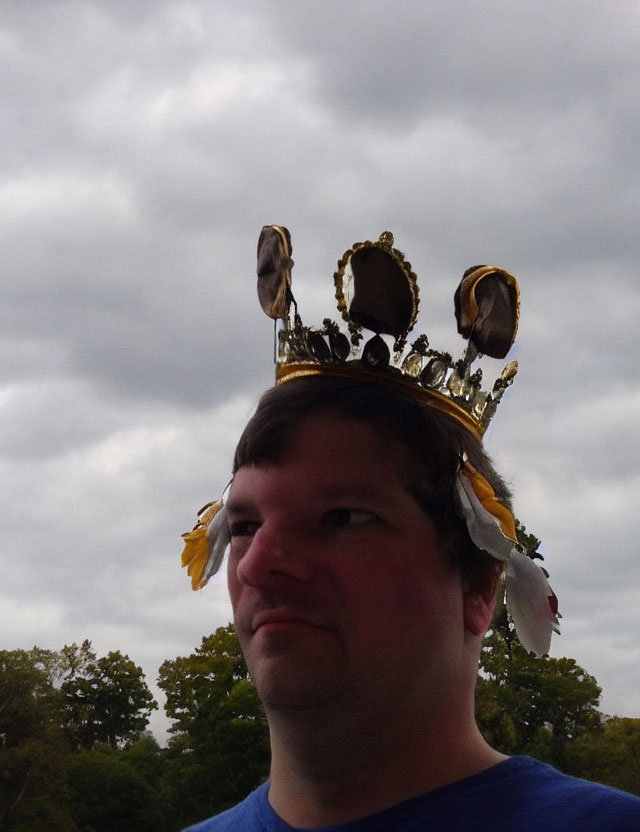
x: 422, y: 395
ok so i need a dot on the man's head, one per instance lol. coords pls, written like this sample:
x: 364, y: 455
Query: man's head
x: 347, y: 557
x: 427, y: 444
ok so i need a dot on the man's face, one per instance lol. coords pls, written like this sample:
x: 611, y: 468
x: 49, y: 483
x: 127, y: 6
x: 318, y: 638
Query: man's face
x: 339, y: 581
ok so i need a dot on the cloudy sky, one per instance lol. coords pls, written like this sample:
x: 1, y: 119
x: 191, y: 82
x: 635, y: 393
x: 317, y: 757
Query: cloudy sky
x: 144, y: 145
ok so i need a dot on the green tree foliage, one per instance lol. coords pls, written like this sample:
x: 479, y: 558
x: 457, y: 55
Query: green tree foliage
x: 106, y: 699
x: 38, y: 717
x: 610, y: 755
x: 108, y: 792
x: 74, y: 667
x: 220, y: 748
x: 531, y: 705
x: 28, y: 699
x: 32, y: 749
x: 74, y: 756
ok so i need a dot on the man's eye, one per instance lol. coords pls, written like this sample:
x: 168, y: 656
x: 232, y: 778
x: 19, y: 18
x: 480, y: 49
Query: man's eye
x: 243, y: 528
x: 342, y: 517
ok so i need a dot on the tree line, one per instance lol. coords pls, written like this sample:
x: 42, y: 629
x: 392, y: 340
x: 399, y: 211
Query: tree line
x: 75, y: 755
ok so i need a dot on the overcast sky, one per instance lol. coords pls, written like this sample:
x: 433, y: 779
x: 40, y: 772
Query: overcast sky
x: 143, y: 146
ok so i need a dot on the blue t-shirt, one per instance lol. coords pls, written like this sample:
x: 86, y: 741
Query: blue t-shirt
x: 517, y: 795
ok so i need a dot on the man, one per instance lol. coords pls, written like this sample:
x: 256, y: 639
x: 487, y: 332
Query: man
x: 368, y: 532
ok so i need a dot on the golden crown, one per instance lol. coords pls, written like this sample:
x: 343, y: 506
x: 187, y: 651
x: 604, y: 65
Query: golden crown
x: 377, y: 290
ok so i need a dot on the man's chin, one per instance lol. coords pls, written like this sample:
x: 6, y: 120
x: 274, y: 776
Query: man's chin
x: 296, y: 696
x: 296, y: 676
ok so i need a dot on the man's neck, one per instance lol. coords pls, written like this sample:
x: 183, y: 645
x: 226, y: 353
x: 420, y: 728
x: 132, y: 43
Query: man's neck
x: 327, y: 771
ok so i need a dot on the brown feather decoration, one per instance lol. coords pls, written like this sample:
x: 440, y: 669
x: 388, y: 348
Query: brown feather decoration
x: 487, y: 306
x: 383, y: 298
x: 274, y: 271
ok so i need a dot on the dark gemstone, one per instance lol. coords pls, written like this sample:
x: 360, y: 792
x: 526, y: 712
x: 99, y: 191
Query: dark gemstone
x: 319, y: 347
x: 340, y: 346
x: 376, y: 353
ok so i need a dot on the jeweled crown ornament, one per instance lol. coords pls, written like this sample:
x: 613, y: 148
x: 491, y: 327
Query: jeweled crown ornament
x: 377, y: 290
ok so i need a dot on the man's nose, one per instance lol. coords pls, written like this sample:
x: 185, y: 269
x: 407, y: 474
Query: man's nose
x: 279, y: 550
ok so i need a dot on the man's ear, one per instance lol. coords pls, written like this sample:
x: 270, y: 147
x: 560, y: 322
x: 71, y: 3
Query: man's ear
x: 479, y: 598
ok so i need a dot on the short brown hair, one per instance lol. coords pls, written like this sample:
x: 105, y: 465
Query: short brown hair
x: 430, y: 444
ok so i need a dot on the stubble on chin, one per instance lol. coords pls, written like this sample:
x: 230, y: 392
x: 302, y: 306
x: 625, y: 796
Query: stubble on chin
x: 296, y: 676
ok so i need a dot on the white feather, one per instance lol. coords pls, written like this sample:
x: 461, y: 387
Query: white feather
x: 484, y: 528
x: 528, y: 591
x: 528, y: 594
x: 219, y: 538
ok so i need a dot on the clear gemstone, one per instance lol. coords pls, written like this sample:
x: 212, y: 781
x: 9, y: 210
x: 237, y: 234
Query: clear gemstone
x: 412, y: 365
x: 479, y: 404
x: 509, y: 371
x: 457, y: 386
x: 434, y: 373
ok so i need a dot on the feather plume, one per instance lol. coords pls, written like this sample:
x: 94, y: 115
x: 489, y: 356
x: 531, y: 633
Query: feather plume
x: 206, y: 544
x: 274, y: 271
x: 490, y: 523
x: 531, y: 603
x: 384, y: 294
x: 219, y: 538
x: 530, y: 600
x: 487, y: 303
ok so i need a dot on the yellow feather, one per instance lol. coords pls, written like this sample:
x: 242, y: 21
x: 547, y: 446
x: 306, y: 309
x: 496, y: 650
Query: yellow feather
x: 484, y: 492
x: 197, y: 547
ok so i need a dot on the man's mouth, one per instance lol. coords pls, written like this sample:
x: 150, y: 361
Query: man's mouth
x: 284, y: 618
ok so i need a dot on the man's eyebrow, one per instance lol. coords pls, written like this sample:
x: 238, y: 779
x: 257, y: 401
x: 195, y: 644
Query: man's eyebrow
x: 240, y: 506
x: 331, y: 490
x: 354, y: 488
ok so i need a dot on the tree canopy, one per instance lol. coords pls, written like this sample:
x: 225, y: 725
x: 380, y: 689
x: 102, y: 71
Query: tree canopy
x: 531, y: 705
x: 74, y: 755
x: 53, y: 704
x: 221, y: 737
x: 106, y: 700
